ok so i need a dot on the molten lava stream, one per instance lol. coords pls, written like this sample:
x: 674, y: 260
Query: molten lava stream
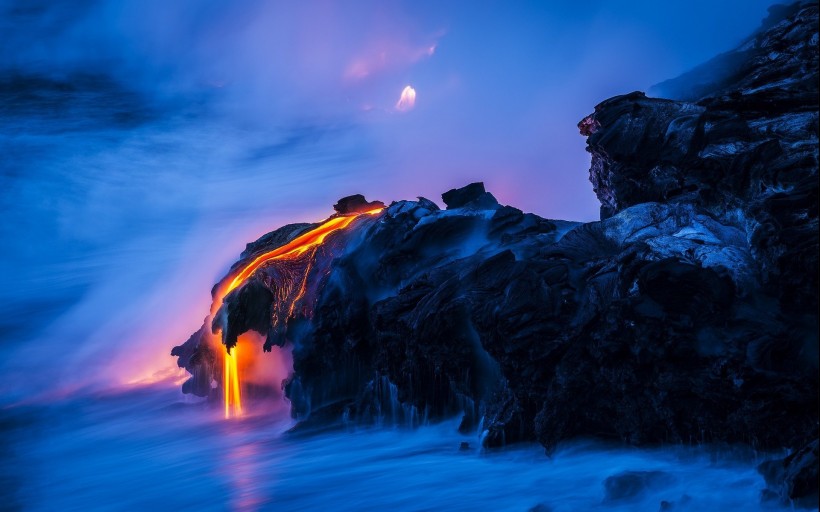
x: 230, y: 372
x: 233, y: 397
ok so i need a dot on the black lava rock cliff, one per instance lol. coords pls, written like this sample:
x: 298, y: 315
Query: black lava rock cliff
x: 688, y: 314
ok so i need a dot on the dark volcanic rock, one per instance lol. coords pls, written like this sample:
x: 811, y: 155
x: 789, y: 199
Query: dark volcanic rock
x: 794, y: 478
x: 746, y: 152
x: 782, y: 52
x: 688, y: 314
x: 472, y: 195
x: 201, y: 360
x: 356, y: 204
x: 273, y: 239
x: 249, y: 309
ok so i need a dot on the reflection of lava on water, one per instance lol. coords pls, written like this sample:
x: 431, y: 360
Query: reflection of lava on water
x: 281, y: 277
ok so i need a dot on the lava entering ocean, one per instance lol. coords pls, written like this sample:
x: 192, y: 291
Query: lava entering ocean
x: 303, y: 246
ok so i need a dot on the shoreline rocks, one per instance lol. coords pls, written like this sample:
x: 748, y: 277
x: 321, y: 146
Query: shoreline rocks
x: 688, y: 314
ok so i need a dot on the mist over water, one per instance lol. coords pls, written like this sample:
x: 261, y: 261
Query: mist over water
x: 144, y: 143
x: 134, y: 451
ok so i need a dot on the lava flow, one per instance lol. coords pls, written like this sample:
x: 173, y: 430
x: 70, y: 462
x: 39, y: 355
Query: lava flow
x: 292, y: 250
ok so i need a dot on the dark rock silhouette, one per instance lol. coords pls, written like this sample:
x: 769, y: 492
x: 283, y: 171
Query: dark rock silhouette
x: 794, y: 477
x: 473, y: 195
x: 356, y: 204
x: 688, y: 314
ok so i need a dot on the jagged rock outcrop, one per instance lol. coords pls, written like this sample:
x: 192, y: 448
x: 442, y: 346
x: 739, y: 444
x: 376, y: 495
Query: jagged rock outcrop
x: 356, y: 204
x: 688, y: 314
x: 745, y: 151
x: 741, y: 143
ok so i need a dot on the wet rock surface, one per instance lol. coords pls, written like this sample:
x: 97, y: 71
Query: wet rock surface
x: 794, y: 478
x: 629, y: 485
x: 688, y: 314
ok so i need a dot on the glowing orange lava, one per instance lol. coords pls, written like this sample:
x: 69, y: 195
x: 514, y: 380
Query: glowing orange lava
x: 233, y: 397
x: 293, y: 249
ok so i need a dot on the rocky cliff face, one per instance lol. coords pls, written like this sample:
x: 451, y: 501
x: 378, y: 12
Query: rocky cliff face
x: 745, y: 151
x: 742, y: 150
x: 687, y: 314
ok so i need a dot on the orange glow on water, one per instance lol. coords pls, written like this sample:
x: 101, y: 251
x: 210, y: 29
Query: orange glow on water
x: 231, y: 385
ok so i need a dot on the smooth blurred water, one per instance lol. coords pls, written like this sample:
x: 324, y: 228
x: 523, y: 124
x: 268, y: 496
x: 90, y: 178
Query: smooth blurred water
x: 151, y: 449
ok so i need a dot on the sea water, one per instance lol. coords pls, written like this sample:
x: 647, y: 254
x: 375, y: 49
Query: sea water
x: 150, y: 448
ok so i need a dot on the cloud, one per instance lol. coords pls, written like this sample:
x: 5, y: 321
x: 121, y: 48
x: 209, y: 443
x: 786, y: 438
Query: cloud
x: 387, y: 55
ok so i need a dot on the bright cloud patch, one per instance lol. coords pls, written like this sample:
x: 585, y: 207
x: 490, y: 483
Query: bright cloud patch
x: 407, y: 100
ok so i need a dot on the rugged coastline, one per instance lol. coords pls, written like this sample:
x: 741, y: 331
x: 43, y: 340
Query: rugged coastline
x: 686, y: 315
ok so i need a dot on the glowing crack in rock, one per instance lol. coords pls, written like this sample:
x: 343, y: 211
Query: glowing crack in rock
x: 296, y: 248
x: 407, y: 100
